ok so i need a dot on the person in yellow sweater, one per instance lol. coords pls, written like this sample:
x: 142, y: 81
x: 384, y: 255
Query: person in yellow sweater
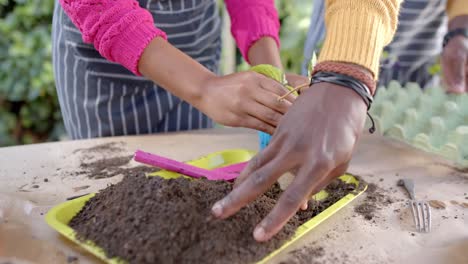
x: 417, y: 45
x: 315, y: 139
x: 455, y: 50
x: 426, y: 31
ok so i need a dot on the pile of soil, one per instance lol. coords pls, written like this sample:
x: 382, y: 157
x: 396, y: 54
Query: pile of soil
x: 375, y: 199
x: 152, y: 220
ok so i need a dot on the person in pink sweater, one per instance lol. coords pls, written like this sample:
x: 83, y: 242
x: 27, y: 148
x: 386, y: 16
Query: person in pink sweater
x: 134, y: 67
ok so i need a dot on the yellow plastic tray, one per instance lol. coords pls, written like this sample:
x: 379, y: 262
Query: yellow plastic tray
x: 59, y: 216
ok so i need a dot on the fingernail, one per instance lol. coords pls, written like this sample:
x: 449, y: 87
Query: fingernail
x: 259, y: 234
x: 217, y: 209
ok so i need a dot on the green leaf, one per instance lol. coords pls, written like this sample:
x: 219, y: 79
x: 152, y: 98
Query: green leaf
x: 311, y: 66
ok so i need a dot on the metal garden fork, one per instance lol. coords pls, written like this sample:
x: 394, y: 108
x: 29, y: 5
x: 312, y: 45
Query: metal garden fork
x: 420, y: 209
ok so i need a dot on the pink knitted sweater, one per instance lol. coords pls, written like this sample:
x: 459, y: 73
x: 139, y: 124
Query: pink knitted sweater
x: 120, y: 29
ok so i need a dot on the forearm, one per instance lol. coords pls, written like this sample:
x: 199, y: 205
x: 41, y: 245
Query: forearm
x: 460, y: 21
x: 119, y: 29
x: 265, y: 51
x: 174, y: 70
x: 357, y: 31
x: 255, y: 25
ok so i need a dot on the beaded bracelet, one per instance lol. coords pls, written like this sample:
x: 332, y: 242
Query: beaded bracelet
x: 348, y: 70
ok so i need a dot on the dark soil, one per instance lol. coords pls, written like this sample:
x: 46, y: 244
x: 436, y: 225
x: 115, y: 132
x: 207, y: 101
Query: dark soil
x: 375, y: 199
x: 336, y: 190
x: 152, y: 220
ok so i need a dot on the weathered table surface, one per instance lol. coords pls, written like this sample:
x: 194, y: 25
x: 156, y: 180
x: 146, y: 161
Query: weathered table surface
x: 345, y: 238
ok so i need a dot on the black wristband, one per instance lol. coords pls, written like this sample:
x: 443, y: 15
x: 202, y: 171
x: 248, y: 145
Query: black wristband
x: 453, y: 33
x: 349, y: 82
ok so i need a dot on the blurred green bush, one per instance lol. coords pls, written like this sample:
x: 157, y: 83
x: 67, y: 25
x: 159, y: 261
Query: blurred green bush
x: 295, y: 20
x: 29, y: 110
x: 294, y: 16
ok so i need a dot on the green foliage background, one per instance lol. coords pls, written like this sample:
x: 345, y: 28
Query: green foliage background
x: 29, y: 110
x: 294, y: 16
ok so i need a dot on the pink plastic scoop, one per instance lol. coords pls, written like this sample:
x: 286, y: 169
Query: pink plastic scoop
x: 226, y: 173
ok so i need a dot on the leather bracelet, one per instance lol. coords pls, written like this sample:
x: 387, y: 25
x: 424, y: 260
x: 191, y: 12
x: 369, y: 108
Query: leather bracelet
x: 345, y: 81
x: 453, y: 33
x: 348, y: 70
x: 348, y: 82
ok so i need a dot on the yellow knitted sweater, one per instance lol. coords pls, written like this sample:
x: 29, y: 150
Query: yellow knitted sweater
x: 358, y: 30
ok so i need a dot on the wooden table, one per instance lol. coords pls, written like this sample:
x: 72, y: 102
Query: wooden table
x: 25, y: 195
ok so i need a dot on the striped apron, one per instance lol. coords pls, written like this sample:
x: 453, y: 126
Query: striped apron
x: 414, y: 49
x: 100, y: 98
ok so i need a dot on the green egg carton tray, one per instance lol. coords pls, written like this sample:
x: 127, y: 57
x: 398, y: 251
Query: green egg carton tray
x: 429, y: 119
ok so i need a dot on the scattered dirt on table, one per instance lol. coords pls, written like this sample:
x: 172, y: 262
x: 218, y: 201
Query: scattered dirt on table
x: 306, y: 255
x: 80, y: 188
x: 375, y: 199
x: 464, y: 205
x: 454, y: 202
x: 104, y: 168
x: 460, y: 170
x: 453, y: 167
x: 313, y: 254
x: 72, y: 259
x: 436, y: 204
x: 152, y: 220
x: 110, y: 167
x: 105, y: 161
x: 106, y: 147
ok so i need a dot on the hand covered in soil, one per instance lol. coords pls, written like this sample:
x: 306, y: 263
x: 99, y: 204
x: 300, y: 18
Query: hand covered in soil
x: 315, y: 138
x: 455, y: 59
x: 245, y: 99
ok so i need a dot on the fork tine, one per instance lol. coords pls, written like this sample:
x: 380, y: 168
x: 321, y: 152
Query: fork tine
x: 429, y: 220
x: 423, y: 216
x: 415, y: 215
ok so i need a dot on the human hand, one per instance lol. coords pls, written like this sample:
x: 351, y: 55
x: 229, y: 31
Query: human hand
x: 296, y: 80
x: 315, y: 138
x: 455, y: 59
x: 245, y: 99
